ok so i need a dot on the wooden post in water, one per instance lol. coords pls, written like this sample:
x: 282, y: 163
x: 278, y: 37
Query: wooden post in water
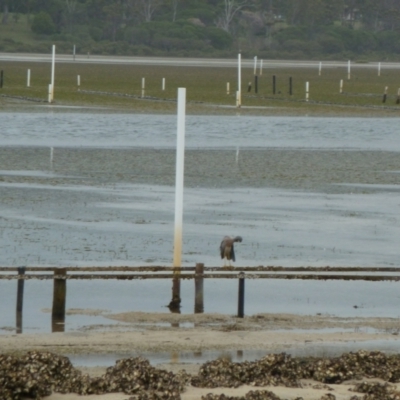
x: 20, y: 299
x: 198, y: 289
x: 241, y: 296
x: 59, y: 300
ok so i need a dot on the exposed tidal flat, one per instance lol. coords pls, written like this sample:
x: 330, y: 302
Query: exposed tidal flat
x: 98, y: 189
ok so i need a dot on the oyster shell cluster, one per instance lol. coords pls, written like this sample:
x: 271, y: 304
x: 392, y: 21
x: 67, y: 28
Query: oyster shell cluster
x: 38, y: 374
x: 282, y: 369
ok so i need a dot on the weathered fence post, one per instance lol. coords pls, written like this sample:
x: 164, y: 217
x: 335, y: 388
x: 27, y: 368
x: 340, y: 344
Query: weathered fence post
x: 59, y: 299
x: 241, y: 295
x: 20, y: 298
x: 198, y: 289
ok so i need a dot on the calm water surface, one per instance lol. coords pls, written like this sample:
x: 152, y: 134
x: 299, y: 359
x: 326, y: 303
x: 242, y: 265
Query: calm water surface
x: 132, y: 224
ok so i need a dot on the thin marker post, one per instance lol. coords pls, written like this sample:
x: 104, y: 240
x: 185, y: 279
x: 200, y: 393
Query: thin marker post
x: 28, y: 78
x: 180, y: 160
x: 320, y: 68
x: 74, y: 51
x: 227, y: 88
x: 341, y: 86
x: 348, y: 69
x: 307, y: 90
x: 379, y: 69
x: 78, y: 81
x: 143, y: 86
x: 53, y: 65
x: 239, y: 91
x: 261, y: 67
x: 163, y: 84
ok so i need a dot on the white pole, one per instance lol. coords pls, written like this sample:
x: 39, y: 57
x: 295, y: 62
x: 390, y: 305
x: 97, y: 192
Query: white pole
x: 53, y: 64
x: 51, y: 155
x: 74, y: 51
x: 307, y: 90
x: 255, y: 65
x: 261, y: 67
x: 163, y: 84
x: 341, y: 86
x: 348, y: 70
x: 237, y: 154
x: 143, y: 86
x: 180, y: 158
x: 239, y: 92
x: 227, y: 88
x: 320, y: 68
x: 379, y: 69
x: 49, y: 95
x: 78, y: 81
x: 28, y: 78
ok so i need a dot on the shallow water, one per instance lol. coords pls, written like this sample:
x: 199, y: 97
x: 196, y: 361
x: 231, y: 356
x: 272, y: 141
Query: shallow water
x: 77, y: 205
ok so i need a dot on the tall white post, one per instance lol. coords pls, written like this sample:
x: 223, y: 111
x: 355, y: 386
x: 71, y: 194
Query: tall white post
x: 78, y: 81
x: 255, y: 65
x: 307, y: 90
x: 28, y: 78
x: 74, y: 51
x: 341, y: 86
x: 53, y: 64
x: 239, y: 91
x: 261, y: 67
x: 163, y: 84
x: 379, y: 69
x: 143, y: 86
x: 227, y: 87
x: 348, y: 69
x: 180, y: 159
x: 320, y: 68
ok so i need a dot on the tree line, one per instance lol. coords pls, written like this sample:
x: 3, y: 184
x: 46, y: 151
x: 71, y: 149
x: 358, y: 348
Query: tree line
x: 270, y: 28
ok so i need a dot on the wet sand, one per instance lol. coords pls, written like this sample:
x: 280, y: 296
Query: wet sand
x: 301, y: 169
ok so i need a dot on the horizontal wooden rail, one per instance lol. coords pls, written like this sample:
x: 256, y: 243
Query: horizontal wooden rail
x: 158, y: 268
x: 205, y: 276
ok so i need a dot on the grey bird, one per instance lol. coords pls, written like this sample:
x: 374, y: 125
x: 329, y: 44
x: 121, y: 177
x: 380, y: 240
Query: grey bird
x: 227, y: 250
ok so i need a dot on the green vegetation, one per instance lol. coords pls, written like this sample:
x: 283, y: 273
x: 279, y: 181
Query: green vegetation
x: 119, y: 87
x: 289, y: 29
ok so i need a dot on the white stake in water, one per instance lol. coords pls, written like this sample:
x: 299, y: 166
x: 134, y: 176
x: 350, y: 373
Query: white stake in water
x: 261, y: 67
x: 78, y: 81
x: 379, y: 69
x: 239, y: 91
x: 180, y: 159
x: 227, y: 88
x: 307, y: 90
x: 255, y: 65
x: 143, y: 86
x: 320, y: 68
x: 53, y: 65
x: 163, y: 84
x: 28, y: 78
x: 341, y: 86
x: 49, y: 94
x: 348, y: 69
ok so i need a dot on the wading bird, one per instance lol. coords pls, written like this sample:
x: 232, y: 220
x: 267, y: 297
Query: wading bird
x: 226, y: 248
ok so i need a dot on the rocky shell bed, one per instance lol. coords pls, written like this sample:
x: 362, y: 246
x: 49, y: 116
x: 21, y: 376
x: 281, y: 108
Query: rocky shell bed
x: 38, y: 374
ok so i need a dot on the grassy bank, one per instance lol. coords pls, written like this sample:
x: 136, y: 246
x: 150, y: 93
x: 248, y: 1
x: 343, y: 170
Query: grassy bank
x: 119, y: 87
